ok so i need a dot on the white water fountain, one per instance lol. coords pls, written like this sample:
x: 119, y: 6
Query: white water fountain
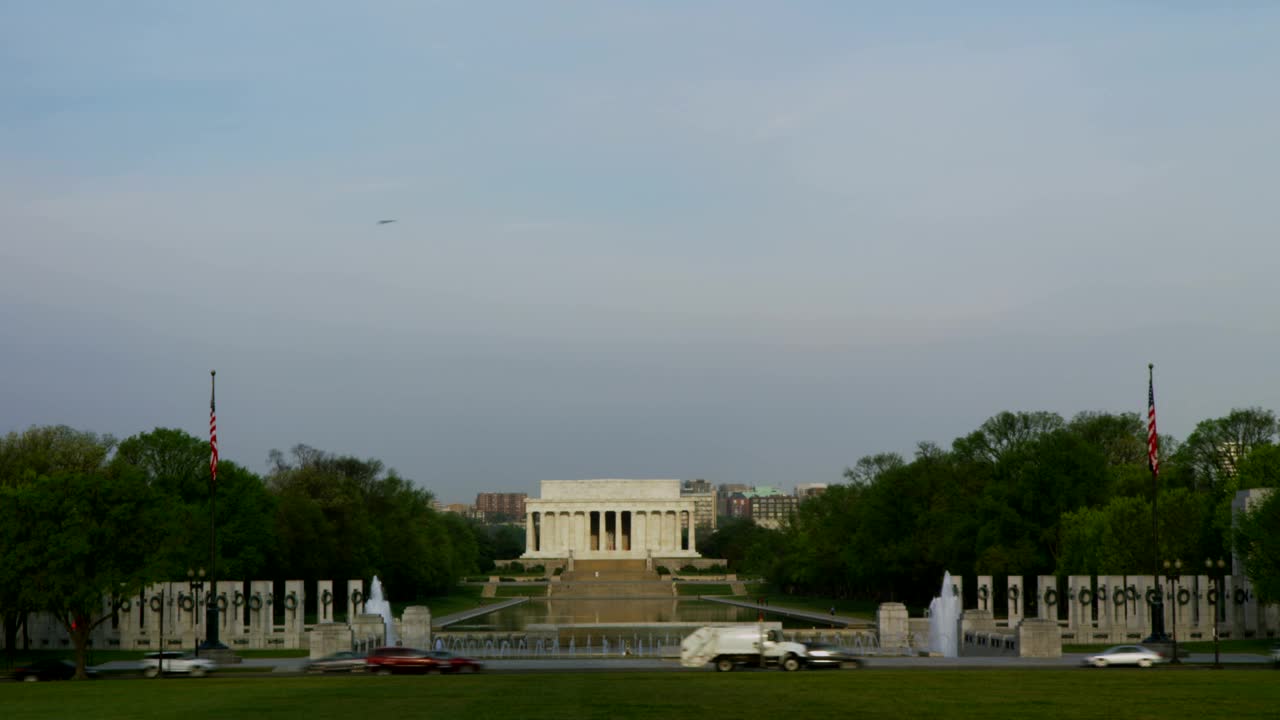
x: 377, y: 605
x: 944, y: 621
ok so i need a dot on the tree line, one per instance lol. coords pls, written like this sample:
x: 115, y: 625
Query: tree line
x: 83, y: 517
x: 1027, y: 493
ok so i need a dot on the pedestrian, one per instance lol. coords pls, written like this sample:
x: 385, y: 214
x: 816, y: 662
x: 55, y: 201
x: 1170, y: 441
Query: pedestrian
x: 833, y: 611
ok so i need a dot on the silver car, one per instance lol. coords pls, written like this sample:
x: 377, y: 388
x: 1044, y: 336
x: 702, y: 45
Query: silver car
x: 1125, y: 655
x: 171, y: 662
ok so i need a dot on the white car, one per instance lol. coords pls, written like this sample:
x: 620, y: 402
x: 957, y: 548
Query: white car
x: 176, y: 662
x: 1125, y: 655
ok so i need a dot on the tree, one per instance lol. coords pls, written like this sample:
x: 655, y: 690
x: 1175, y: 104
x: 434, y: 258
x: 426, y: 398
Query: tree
x: 1258, y: 545
x: 69, y: 540
x: 1214, y: 450
x: 871, y: 467
x: 1005, y: 432
x: 24, y: 457
x: 176, y: 463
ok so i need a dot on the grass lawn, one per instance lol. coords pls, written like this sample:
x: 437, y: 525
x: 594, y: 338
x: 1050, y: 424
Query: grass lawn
x: 703, y: 589
x: 522, y: 590
x: 463, y: 597
x: 984, y: 694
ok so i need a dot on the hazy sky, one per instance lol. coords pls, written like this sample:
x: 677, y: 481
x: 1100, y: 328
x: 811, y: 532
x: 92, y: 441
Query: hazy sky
x: 749, y: 242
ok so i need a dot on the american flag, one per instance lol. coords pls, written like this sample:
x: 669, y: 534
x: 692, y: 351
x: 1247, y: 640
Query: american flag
x: 1153, y: 440
x: 213, y: 432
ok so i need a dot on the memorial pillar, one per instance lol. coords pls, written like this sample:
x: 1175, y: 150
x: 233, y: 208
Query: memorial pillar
x: 324, y: 601
x: 295, y: 603
x: 231, y: 612
x: 1044, y: 610
x: 1013, y: 583
x: 693, y: 523
x: 355, y: 599
x: 261, y: 623
x: 528, y: 531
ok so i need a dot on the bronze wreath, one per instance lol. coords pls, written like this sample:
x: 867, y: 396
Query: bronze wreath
x: 255, y: 602
x: 1240, y: 596
x: 155, y: 603
x: 1119, y: 596
x: 187, y: 603
x: 1050, y: 597
x: 1184, y: 596
x: 291, y: 601
x: 221, y: 602
x: 239, y: 599
x: 1086, y: 596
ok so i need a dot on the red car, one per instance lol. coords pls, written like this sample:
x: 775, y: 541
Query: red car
x: 387, y: 660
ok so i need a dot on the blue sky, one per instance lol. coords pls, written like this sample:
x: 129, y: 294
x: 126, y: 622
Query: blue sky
x: 750, y: 242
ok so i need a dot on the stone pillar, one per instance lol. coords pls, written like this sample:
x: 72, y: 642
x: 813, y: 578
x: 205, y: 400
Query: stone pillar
x: 1045, y: 611
x: 566, y: 532
x: 229, y: 627
x: 1016, y: 600
x: 894, y: 629
x: 1234, y: 611
x: 295, y: 603
x: 1142, y: 583
x: 1039, y: 638
x: 368, y: 631
x: 1183, y: 619
x: 986, y: 594
x: 355, y: 599
x: 260, y: 621
x: 548, y: 532
x: 529, y: 544
x: 1102, y: 601
x: 324, y: 601
x: 1251, y: 610
x: 329, y: 638
x: 1075, y: 608
x: 415, y: 627
x: 693, y: 523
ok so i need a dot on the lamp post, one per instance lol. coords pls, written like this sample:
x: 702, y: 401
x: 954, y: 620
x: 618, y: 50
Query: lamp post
x: 1215, y: 568
x: 1173, y: 572
x: 195, y: 583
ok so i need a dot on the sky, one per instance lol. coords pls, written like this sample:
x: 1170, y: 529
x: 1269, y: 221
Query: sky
x: 747, y: 242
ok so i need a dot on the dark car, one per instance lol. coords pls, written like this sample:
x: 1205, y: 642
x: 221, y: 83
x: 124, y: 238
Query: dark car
x: 824, y: 655
x: 346, y: 661
x: 447, y: 662
x: 387, y: 660
x: 48, y: 670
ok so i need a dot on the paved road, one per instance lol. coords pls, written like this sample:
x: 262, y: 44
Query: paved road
x: 587, y: 664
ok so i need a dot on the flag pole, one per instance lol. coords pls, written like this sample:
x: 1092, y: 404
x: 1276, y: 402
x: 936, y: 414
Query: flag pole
x: 1153, y: 462
x: 211, y: 603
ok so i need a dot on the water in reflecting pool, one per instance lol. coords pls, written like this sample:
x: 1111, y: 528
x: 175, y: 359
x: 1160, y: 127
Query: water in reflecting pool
x: 583, y: 611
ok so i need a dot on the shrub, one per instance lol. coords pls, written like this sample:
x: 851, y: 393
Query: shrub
x: 662, y: 570
x: 559, y: 570
x: 515, y: 566
x: 689, y: 569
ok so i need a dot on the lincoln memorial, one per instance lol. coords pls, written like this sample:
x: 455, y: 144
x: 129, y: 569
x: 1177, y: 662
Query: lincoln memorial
x: 610, y: 519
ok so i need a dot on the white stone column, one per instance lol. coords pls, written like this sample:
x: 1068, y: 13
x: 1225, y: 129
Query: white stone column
x: 566, y: 532
x: 295, y: 603
x: 231, y: 615
x: 673, y: 535
x: 1043, y: 610
x: 693, y: 523
x: 260, y: 619
x: 528, y: 531
x: 549, y: 523
x: 1014, y: 582
x: 324, y: 601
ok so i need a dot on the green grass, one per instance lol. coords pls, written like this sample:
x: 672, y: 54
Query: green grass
x: 866, y: 694
x: 523, y: 590
x: 463, y: 597
x: 703, y: 589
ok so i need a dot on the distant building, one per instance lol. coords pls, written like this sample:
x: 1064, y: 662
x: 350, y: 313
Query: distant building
x: 810, y: 490
x: 467, y: 511
x: 723, y: 493
x: 704, y: 502
x: 770, y: 510
x: 738, y: 505
x: 510, y: 505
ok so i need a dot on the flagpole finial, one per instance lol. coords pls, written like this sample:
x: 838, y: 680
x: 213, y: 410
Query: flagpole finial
x: 1151, y: 366
x: 212, y: 373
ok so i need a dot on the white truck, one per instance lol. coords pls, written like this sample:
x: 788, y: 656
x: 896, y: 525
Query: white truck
x: 729, y: 646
